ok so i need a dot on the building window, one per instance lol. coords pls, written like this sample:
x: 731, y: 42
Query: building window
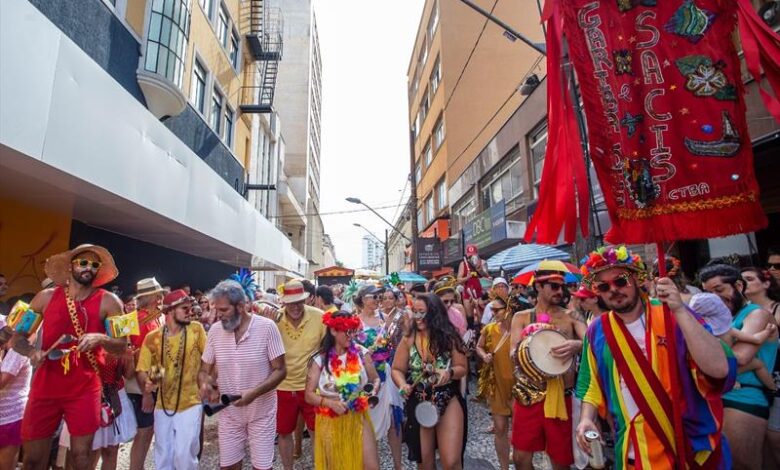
x: 441, y: 195
x: 433, y: 21
x: 435, y: 76
x: 425, y: 106
x: 414, y: 86
x: 420, y: 223
x: 230, y: 117
x: 438, y: 132
x: 429, y: 210
x: 537, y: 143
x: 207, y: 6
x: 422, y: 56
x: 418, y: 173
x: 428, y: 154
x: 199, y: 86
x: 504, y: 182
x: 167, y: 39
x: 216, y: 110
x: 233, y: 53
x: 222, y: 26
x: 462, y: 212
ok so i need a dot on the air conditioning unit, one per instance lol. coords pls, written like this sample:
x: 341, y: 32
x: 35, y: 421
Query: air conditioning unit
x: 770, y: 13
x: 515, y: 229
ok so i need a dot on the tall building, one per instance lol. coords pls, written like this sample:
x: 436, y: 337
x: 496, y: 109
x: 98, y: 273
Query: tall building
x: 373, y: 253
x: 298, y: 101
x: 134, y: 124
x: 477, y: 140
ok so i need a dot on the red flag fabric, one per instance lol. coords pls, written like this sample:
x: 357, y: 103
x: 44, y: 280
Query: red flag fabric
x: 663, y: 97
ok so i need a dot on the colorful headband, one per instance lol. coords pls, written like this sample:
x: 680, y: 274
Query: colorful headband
x: 446, y: 283
x: 608, y: 257
x: 341, y: 322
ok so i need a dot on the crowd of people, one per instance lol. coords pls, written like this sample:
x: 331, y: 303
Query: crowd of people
x: 616, y: 359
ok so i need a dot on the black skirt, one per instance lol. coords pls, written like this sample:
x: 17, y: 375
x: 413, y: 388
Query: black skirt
x: 411, y: 428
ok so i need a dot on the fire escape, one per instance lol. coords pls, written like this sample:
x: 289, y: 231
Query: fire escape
x: 265, y: 44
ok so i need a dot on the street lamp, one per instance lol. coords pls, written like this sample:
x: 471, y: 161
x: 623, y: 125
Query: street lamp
x: 387, y: 258
x: 355, y: 200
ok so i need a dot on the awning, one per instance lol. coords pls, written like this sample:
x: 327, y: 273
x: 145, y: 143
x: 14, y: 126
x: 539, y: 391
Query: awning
x: 520, y: 256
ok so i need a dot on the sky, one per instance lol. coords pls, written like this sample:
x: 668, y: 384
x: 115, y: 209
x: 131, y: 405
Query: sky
x: 365, y: 48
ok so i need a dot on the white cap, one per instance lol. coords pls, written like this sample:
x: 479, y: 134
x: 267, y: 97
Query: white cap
x: 500, y: 280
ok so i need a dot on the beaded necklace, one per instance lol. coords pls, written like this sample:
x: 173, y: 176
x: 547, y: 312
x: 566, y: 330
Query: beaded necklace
x: 177, y: 372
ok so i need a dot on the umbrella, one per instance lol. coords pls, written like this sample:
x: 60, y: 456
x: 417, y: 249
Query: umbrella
x: 408, y: 276
x: 571, y: 273
x: 520, y: 256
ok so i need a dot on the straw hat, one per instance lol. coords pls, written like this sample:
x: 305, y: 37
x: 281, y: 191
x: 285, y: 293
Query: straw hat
x: 58, y: 267
x: 147, y: 286
x: 293, y: 291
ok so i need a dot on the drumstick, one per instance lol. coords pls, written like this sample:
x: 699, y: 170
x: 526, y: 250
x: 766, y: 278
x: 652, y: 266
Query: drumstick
x: 62, y: 339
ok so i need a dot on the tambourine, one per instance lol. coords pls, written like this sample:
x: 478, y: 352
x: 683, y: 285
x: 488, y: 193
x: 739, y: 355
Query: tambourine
x: 426, y: 413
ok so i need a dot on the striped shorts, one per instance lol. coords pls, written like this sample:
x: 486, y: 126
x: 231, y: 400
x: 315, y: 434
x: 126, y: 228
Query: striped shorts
x: 236, y: 428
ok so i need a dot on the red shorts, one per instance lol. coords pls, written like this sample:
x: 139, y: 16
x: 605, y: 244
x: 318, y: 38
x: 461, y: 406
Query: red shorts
x: 42, y: 416
x: 532, y: 432
x: 289, y: 404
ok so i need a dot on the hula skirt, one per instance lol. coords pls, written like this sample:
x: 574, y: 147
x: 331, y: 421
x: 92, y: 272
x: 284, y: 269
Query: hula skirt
x: 338, y: 442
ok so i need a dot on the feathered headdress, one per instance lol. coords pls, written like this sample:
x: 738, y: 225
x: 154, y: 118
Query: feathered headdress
x: 246, y: 278
x: 350, y: 291
x: 393, y: 280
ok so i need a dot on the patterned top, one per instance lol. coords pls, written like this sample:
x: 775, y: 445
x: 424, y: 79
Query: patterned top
x: 649, y: 429
x: 245, y: 364
x: 152, y: 354
x: 13, y: 396
x: 373, y: 339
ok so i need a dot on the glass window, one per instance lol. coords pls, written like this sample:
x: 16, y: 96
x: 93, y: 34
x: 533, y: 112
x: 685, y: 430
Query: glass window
x: 425, y: 106
x: 216, y: 110
x: 433, y: 21
x: 537, y: 142
x: 429, y: 210
x: 418, y: 173
x: 222, y: 26
x: 462, y: 212
x: 423, y: 55
x: 504, y: 182
x: 428, y: 154
x: 420, y: 223
x: 438, y: 132
x: 230, y: 116
x: 167, y: 39
x: 207, y: 6
x: 234, y: 42
x: 435, y: 76
x: 199, y: 86
x: 441, y: 195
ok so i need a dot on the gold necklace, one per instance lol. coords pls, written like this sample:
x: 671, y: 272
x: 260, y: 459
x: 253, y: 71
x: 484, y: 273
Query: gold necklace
x: 290, y: 331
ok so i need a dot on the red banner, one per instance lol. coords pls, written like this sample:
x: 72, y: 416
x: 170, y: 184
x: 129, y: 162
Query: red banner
x: 663, y: 97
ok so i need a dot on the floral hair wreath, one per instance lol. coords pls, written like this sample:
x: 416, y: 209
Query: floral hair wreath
x: 608, y: 257
x: 341, y: 322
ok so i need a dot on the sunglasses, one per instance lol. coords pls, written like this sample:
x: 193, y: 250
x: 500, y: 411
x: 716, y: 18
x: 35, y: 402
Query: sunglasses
x: 419, y: 315
x: 775, y: 266
x: 370, y: 296
x: 83, y: 263
x: 553, y: 285
x: 448, y: 301
x: 619, y: 282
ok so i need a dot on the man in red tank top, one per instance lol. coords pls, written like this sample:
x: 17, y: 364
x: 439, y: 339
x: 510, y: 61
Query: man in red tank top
x: 70, y: 387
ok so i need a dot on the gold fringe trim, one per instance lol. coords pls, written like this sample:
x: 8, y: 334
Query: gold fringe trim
x: 666, y: 209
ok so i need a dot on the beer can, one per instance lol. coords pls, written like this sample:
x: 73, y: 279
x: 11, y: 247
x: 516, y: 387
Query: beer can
x: 596, y: 459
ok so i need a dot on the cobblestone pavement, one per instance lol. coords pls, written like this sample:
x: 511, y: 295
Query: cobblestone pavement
x: 480, y: 453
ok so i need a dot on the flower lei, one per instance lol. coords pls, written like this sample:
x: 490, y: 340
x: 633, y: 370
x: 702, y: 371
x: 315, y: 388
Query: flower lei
x: 341, y: 323
x: 347, y: 377
x: 375, y: 341
x: 607, y: 257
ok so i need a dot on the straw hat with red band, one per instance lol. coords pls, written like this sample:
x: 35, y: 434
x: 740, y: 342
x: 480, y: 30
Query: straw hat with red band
x: 293, y: 291
x: 175, y: 298
x: 58, y: 267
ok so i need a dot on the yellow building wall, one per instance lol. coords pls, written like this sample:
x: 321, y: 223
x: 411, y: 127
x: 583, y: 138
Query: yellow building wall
x: 29, y: 235
x: 135, y: 16
x: 203, y: 40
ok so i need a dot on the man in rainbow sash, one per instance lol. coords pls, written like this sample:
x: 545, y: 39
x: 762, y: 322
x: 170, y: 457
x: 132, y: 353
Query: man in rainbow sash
x: 653, y: 370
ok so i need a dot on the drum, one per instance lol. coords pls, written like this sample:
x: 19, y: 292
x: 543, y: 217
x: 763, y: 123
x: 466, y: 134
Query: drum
x: 534, y: 355
x: 427, y: 414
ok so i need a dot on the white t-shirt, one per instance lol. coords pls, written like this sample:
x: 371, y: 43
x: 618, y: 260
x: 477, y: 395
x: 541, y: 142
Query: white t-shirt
x: 637, y: 330
x: 487, y: 315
